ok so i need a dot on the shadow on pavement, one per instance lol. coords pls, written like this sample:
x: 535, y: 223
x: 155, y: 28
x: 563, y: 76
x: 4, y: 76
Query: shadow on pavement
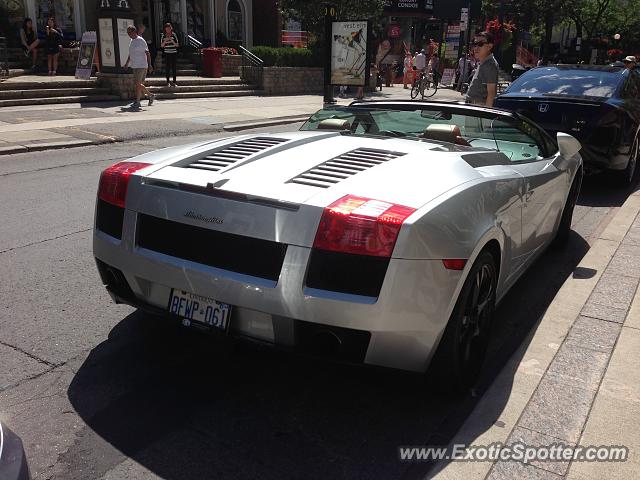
x: 186, y: 405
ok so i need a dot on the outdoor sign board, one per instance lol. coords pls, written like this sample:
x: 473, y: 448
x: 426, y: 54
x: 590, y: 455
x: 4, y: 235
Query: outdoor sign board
x: 415, y: 6
x: 448, y: 76
x: 123, y: 39
x: 107, y: 46
x: 349, y: 53
x: 86, y: 55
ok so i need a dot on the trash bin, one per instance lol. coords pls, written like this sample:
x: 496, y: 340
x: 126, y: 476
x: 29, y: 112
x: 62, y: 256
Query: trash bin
x: 212, y: 62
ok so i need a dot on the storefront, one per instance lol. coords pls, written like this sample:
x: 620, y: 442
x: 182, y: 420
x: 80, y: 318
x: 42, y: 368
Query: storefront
x: 199, y: 18
x: 407, y: 24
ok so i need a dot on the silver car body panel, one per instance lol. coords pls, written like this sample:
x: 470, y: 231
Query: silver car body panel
x: 459, y: 210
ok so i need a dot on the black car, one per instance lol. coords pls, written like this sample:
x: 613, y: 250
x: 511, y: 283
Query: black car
x: 599, y: 105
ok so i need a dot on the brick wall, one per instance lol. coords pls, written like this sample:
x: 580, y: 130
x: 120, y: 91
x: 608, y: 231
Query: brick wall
x: 292, y: 80
x: 231, y: 65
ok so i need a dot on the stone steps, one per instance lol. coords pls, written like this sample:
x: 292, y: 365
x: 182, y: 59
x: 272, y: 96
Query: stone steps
x: 17, y: 102
x: 46, y: 84
x: 211, y: 94
x: 52, y: 92
x: 200, y: 88
x: 192, y: 82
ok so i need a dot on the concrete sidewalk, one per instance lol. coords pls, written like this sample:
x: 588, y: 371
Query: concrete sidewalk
x: 43, y: 127
x: 576, y: 380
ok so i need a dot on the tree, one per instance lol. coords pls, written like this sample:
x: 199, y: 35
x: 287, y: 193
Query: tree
x: 312, y: 13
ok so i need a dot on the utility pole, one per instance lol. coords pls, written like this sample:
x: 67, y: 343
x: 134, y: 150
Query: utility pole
x: 330, y: 14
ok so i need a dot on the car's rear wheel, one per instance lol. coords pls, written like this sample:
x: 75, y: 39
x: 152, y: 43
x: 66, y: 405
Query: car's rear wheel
x: 564, y: 228
x: 463, y: 347
x: 629, y: 173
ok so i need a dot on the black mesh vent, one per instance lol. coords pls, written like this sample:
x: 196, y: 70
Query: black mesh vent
x: 236, y: 253
x: 346, y: 273
x: 344, y: 166
x: 109, y: 219
x: 230, y: 154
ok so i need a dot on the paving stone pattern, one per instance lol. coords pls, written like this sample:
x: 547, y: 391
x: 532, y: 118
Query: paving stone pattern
x: 558, y: 410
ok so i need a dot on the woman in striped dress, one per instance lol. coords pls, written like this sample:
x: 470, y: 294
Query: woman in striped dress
x: 169, y: 44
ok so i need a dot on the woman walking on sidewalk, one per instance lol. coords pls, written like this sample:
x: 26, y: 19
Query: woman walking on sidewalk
x: 53, y: 44
x: 30, y: 42
x: 169, y: 44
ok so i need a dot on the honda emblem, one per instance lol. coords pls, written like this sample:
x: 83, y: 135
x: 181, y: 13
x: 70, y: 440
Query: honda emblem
x: 543, y: 107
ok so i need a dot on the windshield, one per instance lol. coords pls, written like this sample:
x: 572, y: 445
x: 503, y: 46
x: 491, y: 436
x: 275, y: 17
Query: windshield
x: 567, y: 82
x: 469, y: 128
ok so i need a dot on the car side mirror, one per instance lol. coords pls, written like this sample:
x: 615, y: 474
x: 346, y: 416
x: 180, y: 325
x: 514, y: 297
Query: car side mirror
x: 568, y: 145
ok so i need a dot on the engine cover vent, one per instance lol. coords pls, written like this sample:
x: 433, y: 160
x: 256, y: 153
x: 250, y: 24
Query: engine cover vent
x: 230, y: 154
x: 344, y: 166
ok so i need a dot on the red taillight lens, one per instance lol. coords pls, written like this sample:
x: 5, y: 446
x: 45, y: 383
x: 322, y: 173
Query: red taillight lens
x: 454, y: 263
x: 361, y: 225
x: 114, y: 181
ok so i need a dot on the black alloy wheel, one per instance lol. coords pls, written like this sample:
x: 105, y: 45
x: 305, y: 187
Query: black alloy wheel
x: 632, y: 166
x: 463, y: 347
x: 564, y: 227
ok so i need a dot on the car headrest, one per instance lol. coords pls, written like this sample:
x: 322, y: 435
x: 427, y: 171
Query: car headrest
x: 445, y: 133
x: 334, y: 124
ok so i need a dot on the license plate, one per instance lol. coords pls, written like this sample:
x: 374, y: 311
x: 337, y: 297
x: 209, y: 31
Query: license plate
x: 199, y: 309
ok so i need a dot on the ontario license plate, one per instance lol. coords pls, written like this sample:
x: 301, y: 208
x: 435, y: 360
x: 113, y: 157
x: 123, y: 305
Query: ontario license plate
x: 199, y: 309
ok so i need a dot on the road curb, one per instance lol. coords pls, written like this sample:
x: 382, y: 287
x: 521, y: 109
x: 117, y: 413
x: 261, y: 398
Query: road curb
x: 37, y: 147
x: 270, y: 122
x: 497, y: 414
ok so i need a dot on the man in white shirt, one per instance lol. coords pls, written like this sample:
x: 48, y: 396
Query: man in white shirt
x: 421, y: 61
x: 140, y: 60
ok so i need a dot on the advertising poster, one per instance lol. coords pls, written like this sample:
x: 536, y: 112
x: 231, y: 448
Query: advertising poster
x: 123, y: 39
x: 107, y: 47
x: 349, y: 53
x: 85, y: 57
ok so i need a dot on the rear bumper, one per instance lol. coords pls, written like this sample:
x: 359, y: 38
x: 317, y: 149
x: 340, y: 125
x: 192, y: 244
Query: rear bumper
x: 398, y: 329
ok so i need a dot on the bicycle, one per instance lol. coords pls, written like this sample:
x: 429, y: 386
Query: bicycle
x: 424, y: 85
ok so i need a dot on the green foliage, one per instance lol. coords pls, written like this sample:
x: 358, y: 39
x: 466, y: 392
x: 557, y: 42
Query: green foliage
x: 288, y: 57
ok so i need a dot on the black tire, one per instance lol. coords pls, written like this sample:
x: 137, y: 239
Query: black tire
x: 629, y: 174
x: 564, y: 228
x: 430, y: 91
x: 462, y: 350
x: 415, y: 90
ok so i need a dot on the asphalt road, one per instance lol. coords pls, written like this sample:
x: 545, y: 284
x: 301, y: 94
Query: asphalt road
x: 100, y: 391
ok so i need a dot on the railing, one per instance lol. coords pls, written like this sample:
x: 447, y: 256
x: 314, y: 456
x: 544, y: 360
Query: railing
x: 4, y: 58
x: 252, y: 67
x: 192, y: 49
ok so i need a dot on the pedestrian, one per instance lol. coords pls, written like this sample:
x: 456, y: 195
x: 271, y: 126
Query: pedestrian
x: 169, y: 44
x: 140, y: 61
x: 29, y: 41
x: 434, y: 68
x: 629, y: 62
x: 484, y: 84
x: 53, y: 44
x: 408, y: 68
x: 464, y: 71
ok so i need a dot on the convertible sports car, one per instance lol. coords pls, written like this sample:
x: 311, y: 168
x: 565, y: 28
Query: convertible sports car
x: 598, y: 105
x: 382, y: 233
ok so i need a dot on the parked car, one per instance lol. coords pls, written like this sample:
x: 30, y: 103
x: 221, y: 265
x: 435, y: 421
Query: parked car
x: 599, y: 105
x: 382, y: 233
x: 13, y: 461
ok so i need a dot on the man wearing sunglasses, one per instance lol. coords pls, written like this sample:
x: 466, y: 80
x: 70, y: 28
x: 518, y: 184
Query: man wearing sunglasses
x: 484, y: 84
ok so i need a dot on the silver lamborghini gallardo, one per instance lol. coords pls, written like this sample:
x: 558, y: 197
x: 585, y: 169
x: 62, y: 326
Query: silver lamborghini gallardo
x: 381, y: 233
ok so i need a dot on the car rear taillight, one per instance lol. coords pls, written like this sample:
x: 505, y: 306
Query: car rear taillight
x: 454, y: 263
x: 361, y: 226
x: 114, y: 181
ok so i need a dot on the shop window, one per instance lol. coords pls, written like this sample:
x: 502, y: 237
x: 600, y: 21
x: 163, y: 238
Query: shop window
x: 235, y: 27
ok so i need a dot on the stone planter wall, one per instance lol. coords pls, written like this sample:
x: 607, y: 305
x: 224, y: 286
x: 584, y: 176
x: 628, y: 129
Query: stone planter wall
x: 66, y: 61
x: 121, y: 84
x: 290, y: 80
x: 231, y: 65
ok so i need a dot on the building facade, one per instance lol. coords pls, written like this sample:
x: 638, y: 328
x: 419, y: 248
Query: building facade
x: 205, y: 20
